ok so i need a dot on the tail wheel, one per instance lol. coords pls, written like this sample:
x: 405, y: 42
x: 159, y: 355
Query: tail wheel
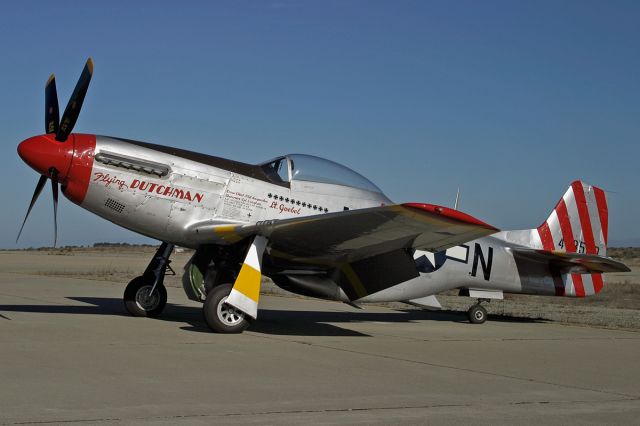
x: 140, y: 301
x: 477, y: 314
x: 221, y: 317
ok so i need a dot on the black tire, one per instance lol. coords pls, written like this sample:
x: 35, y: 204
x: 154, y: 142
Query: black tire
x: 219, y: 316
x: 137, y: 302
x: 477, y: 314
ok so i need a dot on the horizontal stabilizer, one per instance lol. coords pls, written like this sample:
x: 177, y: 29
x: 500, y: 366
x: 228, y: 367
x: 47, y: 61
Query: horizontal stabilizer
x: 577, y: 263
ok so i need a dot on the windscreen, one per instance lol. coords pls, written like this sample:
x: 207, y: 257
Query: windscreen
x: 316, y: 169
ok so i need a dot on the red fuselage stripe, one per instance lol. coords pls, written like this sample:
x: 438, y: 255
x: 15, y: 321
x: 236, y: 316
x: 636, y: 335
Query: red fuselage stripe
x: 558, y: 284
x: 598, y: 283
x: 546, y: 237
x: 578, y: 284
x: 569, y: 243
x: 601, y: 202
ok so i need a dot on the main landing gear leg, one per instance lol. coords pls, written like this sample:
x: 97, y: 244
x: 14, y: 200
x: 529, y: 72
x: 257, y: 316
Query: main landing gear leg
x: 146, y: 295
x: 477, y: 313
x: 230, y: 308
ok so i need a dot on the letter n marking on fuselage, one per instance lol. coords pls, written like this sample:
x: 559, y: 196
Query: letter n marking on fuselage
x: 486, y: 266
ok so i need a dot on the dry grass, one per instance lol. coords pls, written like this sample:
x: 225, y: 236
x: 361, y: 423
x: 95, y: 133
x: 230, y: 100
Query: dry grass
x: 629, y: 255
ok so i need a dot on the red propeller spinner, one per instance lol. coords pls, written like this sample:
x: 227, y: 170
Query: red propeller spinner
x: 44, y: 153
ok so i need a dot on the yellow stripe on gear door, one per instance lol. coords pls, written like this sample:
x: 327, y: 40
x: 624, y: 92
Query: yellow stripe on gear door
x: 245, y: 293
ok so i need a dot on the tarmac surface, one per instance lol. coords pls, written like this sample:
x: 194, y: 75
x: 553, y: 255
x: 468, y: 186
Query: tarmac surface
x: 70, y: 354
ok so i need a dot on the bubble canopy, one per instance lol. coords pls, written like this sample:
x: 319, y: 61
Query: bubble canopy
x: 303, y: 167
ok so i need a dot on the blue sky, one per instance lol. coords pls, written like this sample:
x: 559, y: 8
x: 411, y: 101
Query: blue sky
x: 510, y: 101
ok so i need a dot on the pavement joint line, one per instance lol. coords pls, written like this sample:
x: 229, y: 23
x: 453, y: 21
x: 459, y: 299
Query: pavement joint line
x: 48, y: 422
x: 71, y: 277
x: 326, y: 410
x: 45, y: 302
x: 513, y: 339
x: 451, y: 367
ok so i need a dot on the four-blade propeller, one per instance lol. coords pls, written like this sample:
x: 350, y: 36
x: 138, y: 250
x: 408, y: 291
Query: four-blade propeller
x: 62, y: 129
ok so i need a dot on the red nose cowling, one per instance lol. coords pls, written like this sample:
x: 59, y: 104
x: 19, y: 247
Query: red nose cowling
x: 44, y: 152
x: 73, y: 160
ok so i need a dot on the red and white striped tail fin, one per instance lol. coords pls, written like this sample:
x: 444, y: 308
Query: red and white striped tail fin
x: 578, y: 224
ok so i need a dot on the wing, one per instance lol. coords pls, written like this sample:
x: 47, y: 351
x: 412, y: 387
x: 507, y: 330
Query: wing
x: 580, y: 263
x: 335, y: 238
x: 362, y: 251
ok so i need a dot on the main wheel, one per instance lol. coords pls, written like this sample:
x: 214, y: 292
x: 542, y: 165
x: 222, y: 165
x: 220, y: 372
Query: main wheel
x: 141, y: 302
x: 219, y: 316
x: 477, y: 314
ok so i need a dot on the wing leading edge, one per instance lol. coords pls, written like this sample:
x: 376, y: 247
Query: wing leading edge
x: 336, y: 238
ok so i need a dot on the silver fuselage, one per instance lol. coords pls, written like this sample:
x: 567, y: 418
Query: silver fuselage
x: 176, y: 198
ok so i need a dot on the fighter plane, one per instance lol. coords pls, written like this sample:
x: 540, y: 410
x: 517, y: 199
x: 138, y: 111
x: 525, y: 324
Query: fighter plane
x: 313, y: 226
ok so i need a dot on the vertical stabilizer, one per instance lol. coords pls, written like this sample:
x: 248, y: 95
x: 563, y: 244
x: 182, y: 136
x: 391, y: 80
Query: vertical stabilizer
x: 578, y: 224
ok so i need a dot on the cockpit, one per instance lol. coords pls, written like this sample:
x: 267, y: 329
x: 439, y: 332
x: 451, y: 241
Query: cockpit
x: 302, y: 167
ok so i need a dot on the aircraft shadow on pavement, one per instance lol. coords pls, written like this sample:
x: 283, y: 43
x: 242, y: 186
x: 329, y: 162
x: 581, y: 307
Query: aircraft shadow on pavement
x: 326, y: 323
x: 271, y: 321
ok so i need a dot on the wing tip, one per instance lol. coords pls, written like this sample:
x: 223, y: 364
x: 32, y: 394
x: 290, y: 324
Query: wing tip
x: 450, y: 214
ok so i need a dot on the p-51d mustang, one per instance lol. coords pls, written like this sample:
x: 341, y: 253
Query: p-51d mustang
x: 313, y: 226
